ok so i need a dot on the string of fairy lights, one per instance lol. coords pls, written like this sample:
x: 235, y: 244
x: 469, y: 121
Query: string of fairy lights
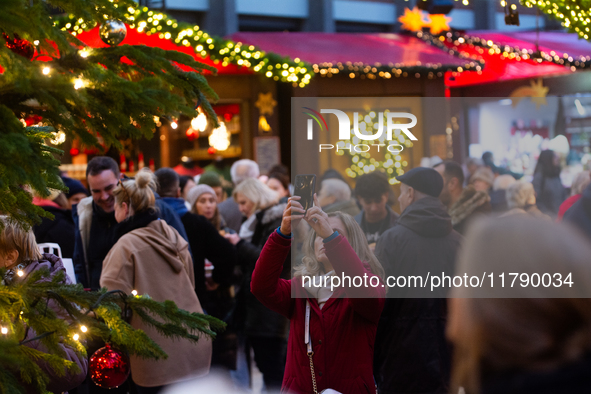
x: 453, y: 41
x: 575, y: 15
x: 78, y: 330
x: 221, y: 51
x: 391, y: 70
x: 284, y: 69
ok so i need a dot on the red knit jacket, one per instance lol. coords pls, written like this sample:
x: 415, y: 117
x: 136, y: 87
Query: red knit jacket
x: 342, y: 333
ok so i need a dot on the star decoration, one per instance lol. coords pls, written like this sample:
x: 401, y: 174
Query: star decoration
x: 265, y: 103
x: 416, y: 20
x: 412, y: 20
x: 536, y: 91
x: 439, y: 23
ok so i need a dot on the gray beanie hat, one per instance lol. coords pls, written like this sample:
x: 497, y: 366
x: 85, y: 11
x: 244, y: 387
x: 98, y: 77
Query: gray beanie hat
x: 196, y: 192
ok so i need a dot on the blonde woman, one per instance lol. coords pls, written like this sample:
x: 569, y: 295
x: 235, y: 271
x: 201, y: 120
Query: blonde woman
x: 151, y: 258
x: 529, y: 344
x: 343, y: 323
x: 266, y: 331
x: 19, y: 252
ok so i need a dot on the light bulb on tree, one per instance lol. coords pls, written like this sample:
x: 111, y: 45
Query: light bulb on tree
x: 59, y: 138
x: 174, y: 125
x: 83, y: 328
x: 46, y: 70
x: 200, y: 122
x: 78, y: 83
x: 4, y: 330
x: 220, y: 138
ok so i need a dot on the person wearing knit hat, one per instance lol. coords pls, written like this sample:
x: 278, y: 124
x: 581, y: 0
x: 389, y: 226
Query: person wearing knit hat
x: 411, y: 331
x: 76, y: 191
x: 203, y: 201
x: 483, y: 179
x: 212, y: 179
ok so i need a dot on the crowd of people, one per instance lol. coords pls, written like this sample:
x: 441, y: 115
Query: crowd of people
x: 184, y: 239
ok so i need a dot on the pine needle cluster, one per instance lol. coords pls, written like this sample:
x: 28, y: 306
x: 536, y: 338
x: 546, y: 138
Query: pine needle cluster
x: 29, y: 306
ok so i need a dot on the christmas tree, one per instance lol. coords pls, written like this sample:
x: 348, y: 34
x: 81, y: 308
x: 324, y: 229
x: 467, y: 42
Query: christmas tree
x: 52, y: 85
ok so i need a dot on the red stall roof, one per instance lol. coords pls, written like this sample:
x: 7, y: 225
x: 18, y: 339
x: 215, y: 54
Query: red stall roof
x: 563, y: 53
x: 133, y: 37
x: 371, y: 49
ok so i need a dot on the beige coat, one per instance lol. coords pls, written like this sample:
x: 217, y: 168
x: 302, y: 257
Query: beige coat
x: 155, y: 260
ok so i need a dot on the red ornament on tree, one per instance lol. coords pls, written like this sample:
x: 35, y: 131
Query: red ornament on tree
x: 228, y: 116
x: 20, y: 47
x: 74, y: 152
x: 190, y: 133
x: 109, y: 368
x: 211, y: 150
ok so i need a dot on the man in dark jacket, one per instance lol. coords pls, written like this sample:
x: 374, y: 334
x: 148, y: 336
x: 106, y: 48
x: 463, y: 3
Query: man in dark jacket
x: 373, y: 192
x: 411, y: 352
x: 204, y: 239
x: 580, y: 213
x: 94, y: 219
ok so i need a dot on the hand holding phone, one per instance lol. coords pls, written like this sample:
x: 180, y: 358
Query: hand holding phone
x: 304, y: 188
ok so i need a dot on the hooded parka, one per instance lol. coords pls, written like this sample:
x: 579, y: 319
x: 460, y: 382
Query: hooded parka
x: 155, y: 260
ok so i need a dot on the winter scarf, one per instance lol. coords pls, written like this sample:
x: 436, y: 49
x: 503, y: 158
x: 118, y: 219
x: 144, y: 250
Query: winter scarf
x: 138, y: 220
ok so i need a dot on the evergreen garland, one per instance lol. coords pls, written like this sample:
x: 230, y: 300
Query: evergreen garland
x: 575, y: 15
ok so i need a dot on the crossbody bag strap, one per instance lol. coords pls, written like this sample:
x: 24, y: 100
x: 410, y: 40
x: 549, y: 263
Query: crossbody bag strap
x: 308, y: 343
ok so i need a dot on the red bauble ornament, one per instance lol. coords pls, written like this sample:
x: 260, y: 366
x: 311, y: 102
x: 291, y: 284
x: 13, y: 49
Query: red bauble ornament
x: 109, y: 368
x: 74, y: 152
x: 20, y: 47
x: 211, y: 150
x: 190, y: 133
x: 228, y: 116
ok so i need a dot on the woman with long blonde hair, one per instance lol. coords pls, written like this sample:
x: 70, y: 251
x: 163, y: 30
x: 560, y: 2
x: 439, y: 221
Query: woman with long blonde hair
x: 332, y: 326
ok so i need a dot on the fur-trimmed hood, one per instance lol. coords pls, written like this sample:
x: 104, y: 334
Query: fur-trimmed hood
x: 272, y: 213
x: 470, y: 201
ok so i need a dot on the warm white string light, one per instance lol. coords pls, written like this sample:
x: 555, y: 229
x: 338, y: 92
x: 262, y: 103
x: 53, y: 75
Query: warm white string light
x: 220, y: 138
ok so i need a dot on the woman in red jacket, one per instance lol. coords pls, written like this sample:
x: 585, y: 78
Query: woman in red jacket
x: 343, y: 322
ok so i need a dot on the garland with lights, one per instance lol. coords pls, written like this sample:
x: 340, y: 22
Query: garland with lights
x: 220, y: 50
x: 575, y: 15
x: 23, y: 307
x: 391, y: 70
x: 453, y: 42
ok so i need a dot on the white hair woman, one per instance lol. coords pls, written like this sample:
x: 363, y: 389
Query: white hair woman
x: 521, y: 199
x: 332, y: 330
x: 152, y: 258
